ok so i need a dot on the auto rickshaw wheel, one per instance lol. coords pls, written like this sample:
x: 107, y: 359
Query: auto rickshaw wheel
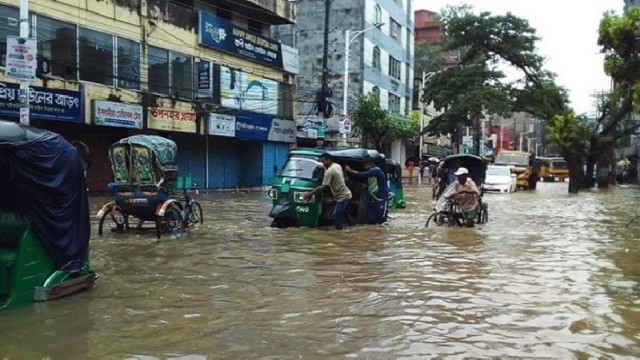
x: 172, y: 222
x: 116, y: 221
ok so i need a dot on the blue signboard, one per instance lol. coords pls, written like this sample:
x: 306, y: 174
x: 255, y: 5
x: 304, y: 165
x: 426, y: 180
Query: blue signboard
x: 45, y: 104
x: 221, y: 35
x: 253, y: 126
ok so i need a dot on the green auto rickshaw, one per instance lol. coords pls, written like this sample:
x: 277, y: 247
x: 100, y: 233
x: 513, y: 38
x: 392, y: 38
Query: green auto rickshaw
x: 303, y: 171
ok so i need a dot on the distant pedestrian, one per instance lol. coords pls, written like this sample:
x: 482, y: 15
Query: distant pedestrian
x: 410, y: 166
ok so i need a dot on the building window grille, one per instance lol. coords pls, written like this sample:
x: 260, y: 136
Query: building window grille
x: 377, y: 14
x: 181, y: 76
x: 376, y: 91
x: 96, y: 56
x: 128, y: 60
x: 9, y: 26
x: 376, y: 58
x: 57, y: 53
x: 394, y: 67
x: 395, y: 30
x: 158, y: 74
x: 394, y: 103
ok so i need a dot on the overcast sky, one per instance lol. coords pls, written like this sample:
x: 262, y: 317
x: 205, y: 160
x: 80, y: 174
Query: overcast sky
x: 569, y: 33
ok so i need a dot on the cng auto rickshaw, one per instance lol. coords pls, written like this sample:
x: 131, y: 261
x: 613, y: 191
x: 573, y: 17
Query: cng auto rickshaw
x: 44, y: 217
x: 394, y: 178
x: 145, y: 179
x: 303, y: 172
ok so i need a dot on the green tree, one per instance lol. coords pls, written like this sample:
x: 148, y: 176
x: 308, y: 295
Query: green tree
x: 377, y: 126
x: 571, y: 133
x: 464, y: 93
x: 426, y: 59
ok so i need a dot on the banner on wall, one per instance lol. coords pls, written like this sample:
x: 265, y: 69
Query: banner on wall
x: 45, y: 103
x: 282, y: 131
x: 243, y: 91
x: 222, y: 125
x: 171, y: 120
x: 220, y: 34
x: 107, y: 113
x: 205, y: 80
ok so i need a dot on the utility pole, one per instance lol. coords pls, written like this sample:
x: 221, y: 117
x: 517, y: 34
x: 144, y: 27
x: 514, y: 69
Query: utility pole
x: 323, y: 104
x: 23, y: 94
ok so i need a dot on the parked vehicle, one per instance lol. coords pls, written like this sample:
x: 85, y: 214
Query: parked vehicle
x: 553, y: 169
x: 44, y: 217
x: 499, y: 178
x: 303, y: 172
x: 522, y: 164
x: 145, y: 181
x: 446, y: 210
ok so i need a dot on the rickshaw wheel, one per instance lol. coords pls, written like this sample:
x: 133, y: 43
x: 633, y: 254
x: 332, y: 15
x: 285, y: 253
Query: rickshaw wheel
x: 172, y: 222
x: 116, y: 219
x: 437, y: 219
x: 195, y: 214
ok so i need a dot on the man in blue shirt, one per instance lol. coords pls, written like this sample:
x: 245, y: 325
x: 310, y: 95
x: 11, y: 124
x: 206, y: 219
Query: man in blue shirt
x: 377, y: 190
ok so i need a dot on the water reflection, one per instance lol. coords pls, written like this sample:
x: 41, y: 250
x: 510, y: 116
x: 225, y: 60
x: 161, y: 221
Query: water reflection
x: 551, y: 275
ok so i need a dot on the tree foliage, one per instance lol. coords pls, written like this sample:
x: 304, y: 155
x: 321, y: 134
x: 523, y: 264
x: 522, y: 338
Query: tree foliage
x: 464, y: 93
x: 427, y: 59
x: 377, y: 126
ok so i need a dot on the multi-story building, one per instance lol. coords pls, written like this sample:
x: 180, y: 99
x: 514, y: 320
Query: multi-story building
x: 380, y: 58
x: 203, y: 73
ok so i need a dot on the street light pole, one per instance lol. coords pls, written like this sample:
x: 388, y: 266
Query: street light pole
x: 348, y: 39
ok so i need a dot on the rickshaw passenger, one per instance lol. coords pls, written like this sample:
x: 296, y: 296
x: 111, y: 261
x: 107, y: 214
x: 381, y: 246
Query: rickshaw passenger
x: 467, y: 192
x: 377, y: 190
x: 334, y: 179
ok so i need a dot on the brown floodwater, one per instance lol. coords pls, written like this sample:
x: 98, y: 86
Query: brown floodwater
x: 551, y: 275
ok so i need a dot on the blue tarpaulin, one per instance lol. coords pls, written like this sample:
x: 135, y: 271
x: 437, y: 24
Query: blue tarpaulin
x: 42, y: 177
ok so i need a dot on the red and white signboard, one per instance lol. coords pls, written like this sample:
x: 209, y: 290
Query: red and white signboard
x: 21, y: 61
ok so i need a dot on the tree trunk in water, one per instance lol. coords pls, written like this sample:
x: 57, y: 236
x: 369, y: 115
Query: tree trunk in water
x: 576, y: 172
x: 604, y: 170
x: 589, y: 180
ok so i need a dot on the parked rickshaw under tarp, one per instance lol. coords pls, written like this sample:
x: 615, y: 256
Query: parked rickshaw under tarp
x: 44, y: 217
x: 145, y: 175
x: 303, y: 172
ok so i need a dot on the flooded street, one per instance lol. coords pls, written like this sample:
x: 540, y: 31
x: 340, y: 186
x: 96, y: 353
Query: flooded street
x: 551, y: 275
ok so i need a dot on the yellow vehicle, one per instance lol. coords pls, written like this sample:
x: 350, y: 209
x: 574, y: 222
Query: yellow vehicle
x: 553, y: 169
x: 522, y: 164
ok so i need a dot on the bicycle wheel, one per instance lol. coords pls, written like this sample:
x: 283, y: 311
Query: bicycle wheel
x: 113, y: 220
x: 437, y: 219
x: 195, y: 214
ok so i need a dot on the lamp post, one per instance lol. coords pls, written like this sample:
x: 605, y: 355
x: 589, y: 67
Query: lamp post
x: 348, y: 39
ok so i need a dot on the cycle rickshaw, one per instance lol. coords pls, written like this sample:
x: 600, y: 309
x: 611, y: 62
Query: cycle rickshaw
x: 145, y: 180
x: 447, y: 208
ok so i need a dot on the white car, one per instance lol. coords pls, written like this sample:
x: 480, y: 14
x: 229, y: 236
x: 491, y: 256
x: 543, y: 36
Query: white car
x: 500, y: 179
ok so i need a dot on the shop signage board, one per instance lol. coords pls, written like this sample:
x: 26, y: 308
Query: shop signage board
x: 205, y: 80
x: 44, y: 103
x: 282, y: 131
x: 243, y: 91
x: 219, y: 34
x: 222, y: 125
x: 21, y: 61
x: 171, y: 120
x: 107, y: 113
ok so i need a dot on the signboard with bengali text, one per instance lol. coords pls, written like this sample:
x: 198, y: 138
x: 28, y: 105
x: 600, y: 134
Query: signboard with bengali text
x: 107, y: 113
x: 44, y: 103
x: 171, y: 120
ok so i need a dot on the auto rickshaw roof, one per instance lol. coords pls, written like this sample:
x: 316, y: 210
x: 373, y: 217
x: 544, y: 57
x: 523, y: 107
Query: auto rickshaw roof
x: 341, y: 153
x: 164, y: 150
x: 13, y: 133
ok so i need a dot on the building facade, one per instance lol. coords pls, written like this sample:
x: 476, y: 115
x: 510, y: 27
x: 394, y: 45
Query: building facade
x: 202, y: 73
x: 380, y: 58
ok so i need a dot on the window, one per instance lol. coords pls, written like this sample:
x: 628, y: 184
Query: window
x: 57, y: 47
x: 170, y: 73
x: 96, y: 56
x: 181, y: 76
x: 394, y: 103
x: 128, y: 55
x: 394, y: 67
x: 376, y: 91
x: 9, y: 26
x: 376, y: 58
x: 377, y: 16
x: 395, y: 30
x: 158, y: 74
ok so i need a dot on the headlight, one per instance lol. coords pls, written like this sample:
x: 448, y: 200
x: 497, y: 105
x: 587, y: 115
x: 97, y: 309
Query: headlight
x: 272, y: 193
x: 299, y: 198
